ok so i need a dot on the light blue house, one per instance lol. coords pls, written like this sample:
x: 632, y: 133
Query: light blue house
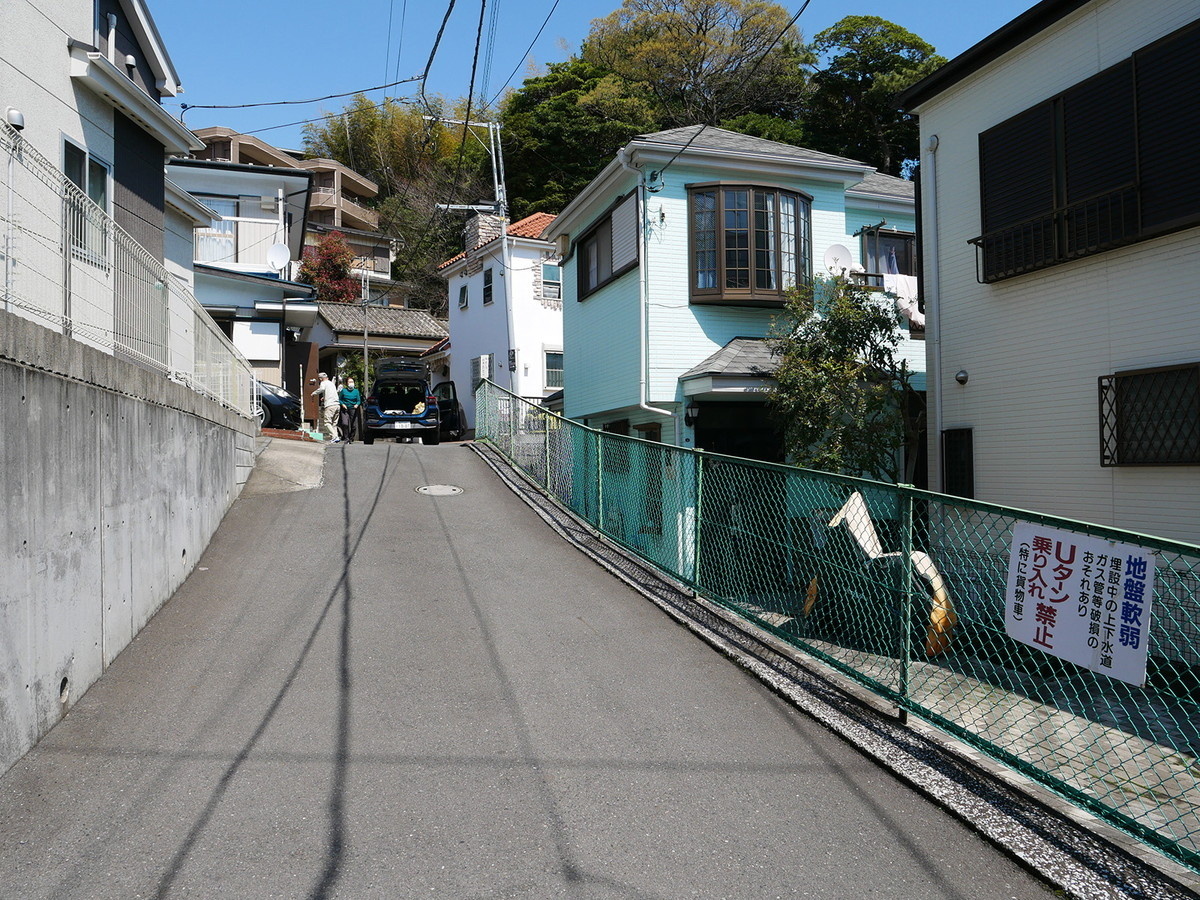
x: 678, y: 256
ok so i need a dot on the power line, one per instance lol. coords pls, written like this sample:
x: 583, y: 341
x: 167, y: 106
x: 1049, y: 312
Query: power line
x: 184, y: 107
x: 749, y: 75
x: 524, y: 55
x: 400, y: 43
x: 325, y: 116
x: 491, y: 47
x: 432, y: 53
x: 387, y: 53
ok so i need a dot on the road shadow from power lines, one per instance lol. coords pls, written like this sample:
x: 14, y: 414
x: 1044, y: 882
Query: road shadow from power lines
x: 335, y: 848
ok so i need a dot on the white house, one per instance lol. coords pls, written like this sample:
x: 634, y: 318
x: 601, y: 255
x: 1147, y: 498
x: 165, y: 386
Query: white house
x: 505, y: 310
x: 1060, y: 205
x: 679, y: 255
x: 338, y: 202
x: 148, y: 409
x: 243, y: 255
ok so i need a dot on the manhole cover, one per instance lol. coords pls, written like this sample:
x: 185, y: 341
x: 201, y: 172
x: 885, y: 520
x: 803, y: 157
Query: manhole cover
x: 439, y: 490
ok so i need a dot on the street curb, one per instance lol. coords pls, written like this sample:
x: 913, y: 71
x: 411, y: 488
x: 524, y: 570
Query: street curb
x: 1077, y: 853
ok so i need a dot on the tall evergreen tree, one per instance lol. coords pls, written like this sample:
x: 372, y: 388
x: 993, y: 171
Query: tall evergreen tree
x: 853, y: 110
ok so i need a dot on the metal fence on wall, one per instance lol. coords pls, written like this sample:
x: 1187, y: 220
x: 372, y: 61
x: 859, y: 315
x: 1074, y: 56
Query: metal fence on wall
x: 70, y: 267
x: 903, y: 591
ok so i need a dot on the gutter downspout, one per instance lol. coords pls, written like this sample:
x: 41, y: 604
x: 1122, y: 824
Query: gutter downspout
x: 644, y: 297
x: 505, y: 267
x: 933, y: 301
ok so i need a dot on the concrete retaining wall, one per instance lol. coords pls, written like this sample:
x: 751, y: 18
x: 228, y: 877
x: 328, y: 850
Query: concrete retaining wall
x: 113, y: 480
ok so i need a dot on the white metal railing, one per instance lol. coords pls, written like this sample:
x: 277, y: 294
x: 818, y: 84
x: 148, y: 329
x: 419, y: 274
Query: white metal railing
x: 70, y: 267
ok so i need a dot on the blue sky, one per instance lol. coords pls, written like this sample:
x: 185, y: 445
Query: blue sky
x: 253, y: 51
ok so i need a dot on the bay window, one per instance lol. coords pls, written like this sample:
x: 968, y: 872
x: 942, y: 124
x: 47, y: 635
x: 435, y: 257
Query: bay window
x: 749, y: 245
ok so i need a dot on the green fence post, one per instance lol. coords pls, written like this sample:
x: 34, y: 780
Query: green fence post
x: 546, y: 425
x: 697, y: 487
x: 904, y: 595
x: 599, y: 481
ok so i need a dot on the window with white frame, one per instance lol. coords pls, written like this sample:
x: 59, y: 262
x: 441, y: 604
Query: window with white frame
x: 88, y: 231
x: 487, y: 286
x: 463, y: 298
x: 218, y: 241
x: 551, y: 282
x: 554, y: 369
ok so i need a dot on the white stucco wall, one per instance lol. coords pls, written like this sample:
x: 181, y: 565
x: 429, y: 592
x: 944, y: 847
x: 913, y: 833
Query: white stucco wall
x: 1035, y: 345
x: 481, y: 328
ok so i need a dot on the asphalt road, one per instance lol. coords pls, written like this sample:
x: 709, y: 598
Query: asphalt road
x: 364, y: 691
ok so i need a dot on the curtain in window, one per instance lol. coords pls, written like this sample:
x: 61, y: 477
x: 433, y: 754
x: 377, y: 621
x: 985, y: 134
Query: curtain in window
x: 765, y: 250
x: 218, y: 242
x: 787, y: 241
x: 704, y: 229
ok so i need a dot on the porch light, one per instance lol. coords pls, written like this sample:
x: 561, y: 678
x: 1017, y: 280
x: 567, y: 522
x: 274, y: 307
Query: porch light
x: 691, y: 414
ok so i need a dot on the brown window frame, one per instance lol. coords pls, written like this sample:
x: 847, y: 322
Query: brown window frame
x: 603, y: 224
x: 752, y: 295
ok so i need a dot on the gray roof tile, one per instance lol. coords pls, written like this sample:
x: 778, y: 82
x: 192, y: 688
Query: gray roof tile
x: 742, y: 356
x: 382, y: 320
x: 714, y: 138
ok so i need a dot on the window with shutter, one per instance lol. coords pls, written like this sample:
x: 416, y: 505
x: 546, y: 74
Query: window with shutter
x: 608, y: 249
x: 1095, y: 167
x: 1168, y: 130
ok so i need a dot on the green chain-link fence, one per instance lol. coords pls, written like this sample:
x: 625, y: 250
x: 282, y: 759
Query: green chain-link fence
x: 903, y: 591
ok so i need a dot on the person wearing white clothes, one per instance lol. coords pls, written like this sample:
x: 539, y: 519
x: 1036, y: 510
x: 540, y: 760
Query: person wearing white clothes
x: 327, y: 399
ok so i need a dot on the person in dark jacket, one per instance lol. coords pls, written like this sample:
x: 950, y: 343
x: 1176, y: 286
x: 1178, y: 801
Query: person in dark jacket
x: 350, y: 400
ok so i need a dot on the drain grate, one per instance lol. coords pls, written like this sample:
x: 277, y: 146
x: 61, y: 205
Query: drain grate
x: 439, y: 490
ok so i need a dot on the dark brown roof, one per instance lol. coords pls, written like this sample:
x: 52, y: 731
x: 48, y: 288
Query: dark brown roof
x: 389, y: 321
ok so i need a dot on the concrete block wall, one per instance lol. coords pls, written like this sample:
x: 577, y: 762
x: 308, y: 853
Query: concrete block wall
x: 114, y: 480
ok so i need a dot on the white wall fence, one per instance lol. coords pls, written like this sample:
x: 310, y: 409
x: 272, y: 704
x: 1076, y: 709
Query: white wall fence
x: 68, y: 266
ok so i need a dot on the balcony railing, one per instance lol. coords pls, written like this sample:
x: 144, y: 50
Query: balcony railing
x: 70, y: 267
x: 238, y: 241
x: 328, y: 198
x: 1090, y: 226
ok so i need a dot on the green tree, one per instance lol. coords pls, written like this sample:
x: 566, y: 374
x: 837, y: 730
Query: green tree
x: 705, y: 61
x: 418, y: 164
x: 327, y: 266
x: 853, y: 110
x: 844, y: 400
x: 561, y: 128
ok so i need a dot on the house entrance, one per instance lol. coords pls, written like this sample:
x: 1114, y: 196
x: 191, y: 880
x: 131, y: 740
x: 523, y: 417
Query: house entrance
x: 739, y: 429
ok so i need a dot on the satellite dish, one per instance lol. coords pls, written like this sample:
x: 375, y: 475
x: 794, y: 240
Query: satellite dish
x: 838, y: 259
x: 278, y: 257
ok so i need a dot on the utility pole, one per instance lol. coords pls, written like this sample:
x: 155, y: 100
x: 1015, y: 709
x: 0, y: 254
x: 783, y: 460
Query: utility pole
x: 366, y: 376
x: 498, y: 208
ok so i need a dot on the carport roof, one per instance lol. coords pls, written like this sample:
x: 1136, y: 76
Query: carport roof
x: 392, y: 321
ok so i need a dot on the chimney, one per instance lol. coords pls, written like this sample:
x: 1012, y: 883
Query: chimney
x: 481, y: 228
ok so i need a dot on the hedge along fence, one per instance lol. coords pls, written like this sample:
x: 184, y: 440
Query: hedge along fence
x: 915, y: 595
